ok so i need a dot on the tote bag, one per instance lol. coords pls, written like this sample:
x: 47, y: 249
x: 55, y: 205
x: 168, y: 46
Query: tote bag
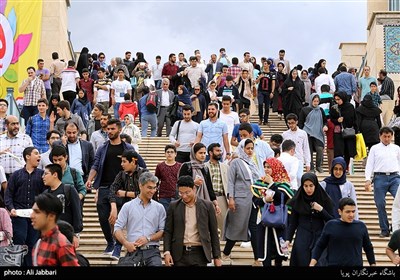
x: 275, y: 216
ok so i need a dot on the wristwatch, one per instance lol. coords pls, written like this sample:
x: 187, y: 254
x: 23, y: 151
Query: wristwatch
x: 148, y: 238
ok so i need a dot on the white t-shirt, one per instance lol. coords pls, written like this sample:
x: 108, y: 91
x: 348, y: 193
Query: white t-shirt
x: 230, y: 119
x: 2, y: 175
x: 120, y: 89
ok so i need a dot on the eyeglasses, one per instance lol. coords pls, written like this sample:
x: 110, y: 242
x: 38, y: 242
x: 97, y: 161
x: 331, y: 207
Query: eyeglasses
x: 184, y: 193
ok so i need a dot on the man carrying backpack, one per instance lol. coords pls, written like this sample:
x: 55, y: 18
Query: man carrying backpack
x: 68, y: 196
x: 165, y: 99
x: 148, y: 112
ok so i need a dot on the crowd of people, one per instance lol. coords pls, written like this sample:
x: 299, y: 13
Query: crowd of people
x: 220, y: 173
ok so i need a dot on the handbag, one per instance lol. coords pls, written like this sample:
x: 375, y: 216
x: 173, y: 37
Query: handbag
x: 275, y: 216
x: 131, y: 259
x: 12, y: 255
x: 394, y: 122
x: 348, y: 132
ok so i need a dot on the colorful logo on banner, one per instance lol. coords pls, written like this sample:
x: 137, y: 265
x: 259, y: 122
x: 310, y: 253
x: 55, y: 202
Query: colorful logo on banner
x: 392, y: 48
x: 17, y: 50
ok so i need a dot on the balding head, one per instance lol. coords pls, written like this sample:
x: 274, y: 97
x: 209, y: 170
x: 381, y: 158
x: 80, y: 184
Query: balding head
x: 12, y: 125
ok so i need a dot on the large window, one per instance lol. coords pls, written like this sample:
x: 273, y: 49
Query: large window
x: 394, y: 5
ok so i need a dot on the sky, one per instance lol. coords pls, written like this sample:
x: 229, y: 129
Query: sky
x: 307, y: 30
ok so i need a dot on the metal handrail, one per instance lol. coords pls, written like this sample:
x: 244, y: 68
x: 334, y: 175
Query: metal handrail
x: 361, y: 70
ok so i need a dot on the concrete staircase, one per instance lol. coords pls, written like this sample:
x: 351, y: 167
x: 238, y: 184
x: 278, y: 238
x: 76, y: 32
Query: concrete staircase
x: 92, y: 242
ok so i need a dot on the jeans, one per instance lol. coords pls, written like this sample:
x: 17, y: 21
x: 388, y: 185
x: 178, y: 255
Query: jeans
x: 28, y: 111
x: 263, y: 99
x: 24, y: 233
x: 116, y: 108
x: 145, y: 120
x: 382, y: 185
x: 166, y: 201
x: 315, y: 146
x: 103, y: 209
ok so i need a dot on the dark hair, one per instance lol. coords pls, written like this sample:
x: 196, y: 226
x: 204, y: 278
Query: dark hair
x: 346, y: 201
x: 71, y: 63
x: 215, y: 104
x: 235, y: 60
x: 226, y: 98
x: 282, y: 51
x: 43, y: 100
x: 100, y: 107
x: 28, y: 151
x: 244, y: 110
x: 373, y: 83
x: 187, y: 107
x: 125, y: 136
x: 211, y: 147
x: 56, y: 151
x: 325, y: 88
x: 31, y: 67
x: 277, y: 151
x: 39, y: 60
x: 49, y: 133
x: 127, y: 96
x: 248, y: 141
x: 54, y: 55
x: 158, y: 56
x: 246, y: 126
x: 85, y: 70
x: 229, y: 78
x: 3, y: 100
x: 292, y: 116
x: 55, y: 168
x: 71, y: 123
x: 128, y: 52
x: 222, y: 50
x: 64, y: 104
x: 185, y: 181
x: 169, y: 146
x: 386, y: 129
x: 198, y: 146
x: 130, y: 155
x: 49, y: 203
x: 114, y: 121
x: 277, y: 138
x: 287, y: 145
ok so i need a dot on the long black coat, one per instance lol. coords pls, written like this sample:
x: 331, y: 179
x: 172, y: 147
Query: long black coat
x: 369, y: 123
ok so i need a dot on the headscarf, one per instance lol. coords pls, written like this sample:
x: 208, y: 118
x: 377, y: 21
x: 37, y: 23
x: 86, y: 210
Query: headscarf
x: 333, y: 184
x: 197, y: 166
x: 313, y: 124
x: 301, y: 202
x: 255, y: 174
x: 84, y: 99
x: 368, y: 107
x: 279, y: 173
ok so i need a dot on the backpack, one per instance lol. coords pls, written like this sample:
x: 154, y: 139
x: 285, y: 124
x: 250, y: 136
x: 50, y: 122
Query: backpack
x: 151, y: 102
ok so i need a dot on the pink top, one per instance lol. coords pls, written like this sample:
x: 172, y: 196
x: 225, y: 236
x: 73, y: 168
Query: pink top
x: 5, y: 225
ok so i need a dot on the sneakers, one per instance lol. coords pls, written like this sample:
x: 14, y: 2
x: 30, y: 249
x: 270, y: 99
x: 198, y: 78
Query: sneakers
x: 384, y: 234
x: 116, y: 252
x: 109, y: 249
x: 245, y: 244
x: 257, y: 263
x: 226, y: 259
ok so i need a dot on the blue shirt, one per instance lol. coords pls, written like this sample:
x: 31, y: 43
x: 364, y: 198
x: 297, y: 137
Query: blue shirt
x: 212, y: 132
x: 257, y: 132
x: 37, y: 128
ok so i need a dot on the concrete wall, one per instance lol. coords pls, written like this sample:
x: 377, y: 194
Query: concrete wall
x: 55, y: 31
x: 352, y: 53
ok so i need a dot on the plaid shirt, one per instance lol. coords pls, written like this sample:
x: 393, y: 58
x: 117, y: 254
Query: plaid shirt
x: 53, y: 249
x: 37, y: 128
x: 234, y: 71
x: 33, y: 92
x: 17, y: 145
x: 216, y: 178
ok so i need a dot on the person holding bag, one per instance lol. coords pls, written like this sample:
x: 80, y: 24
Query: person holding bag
x: 269, y: 190
x: 343, y: 115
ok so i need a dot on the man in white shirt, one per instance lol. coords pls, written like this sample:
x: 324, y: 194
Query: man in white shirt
x: 119, y: 88
x: 156, y: 71
x: 228, y: 116
x: 300, y: 138
x: 383, y: 163
x: 183, y: 134
x: 290, y: 162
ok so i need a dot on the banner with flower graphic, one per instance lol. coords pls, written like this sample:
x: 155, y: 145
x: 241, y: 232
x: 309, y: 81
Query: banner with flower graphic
x: 20, y: 35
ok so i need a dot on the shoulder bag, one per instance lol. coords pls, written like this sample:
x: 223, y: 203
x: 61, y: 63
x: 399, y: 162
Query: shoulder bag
x: 275, y: 216
x: 12, y: 255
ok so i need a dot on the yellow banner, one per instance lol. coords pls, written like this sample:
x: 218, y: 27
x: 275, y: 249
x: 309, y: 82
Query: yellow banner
x: 20, y: 34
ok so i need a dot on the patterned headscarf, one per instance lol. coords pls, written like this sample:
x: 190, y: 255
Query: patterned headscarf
x: 279, y: 173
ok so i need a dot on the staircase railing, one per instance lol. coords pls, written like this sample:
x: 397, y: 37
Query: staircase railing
x: 13, y: 107
x: 361, y: 70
